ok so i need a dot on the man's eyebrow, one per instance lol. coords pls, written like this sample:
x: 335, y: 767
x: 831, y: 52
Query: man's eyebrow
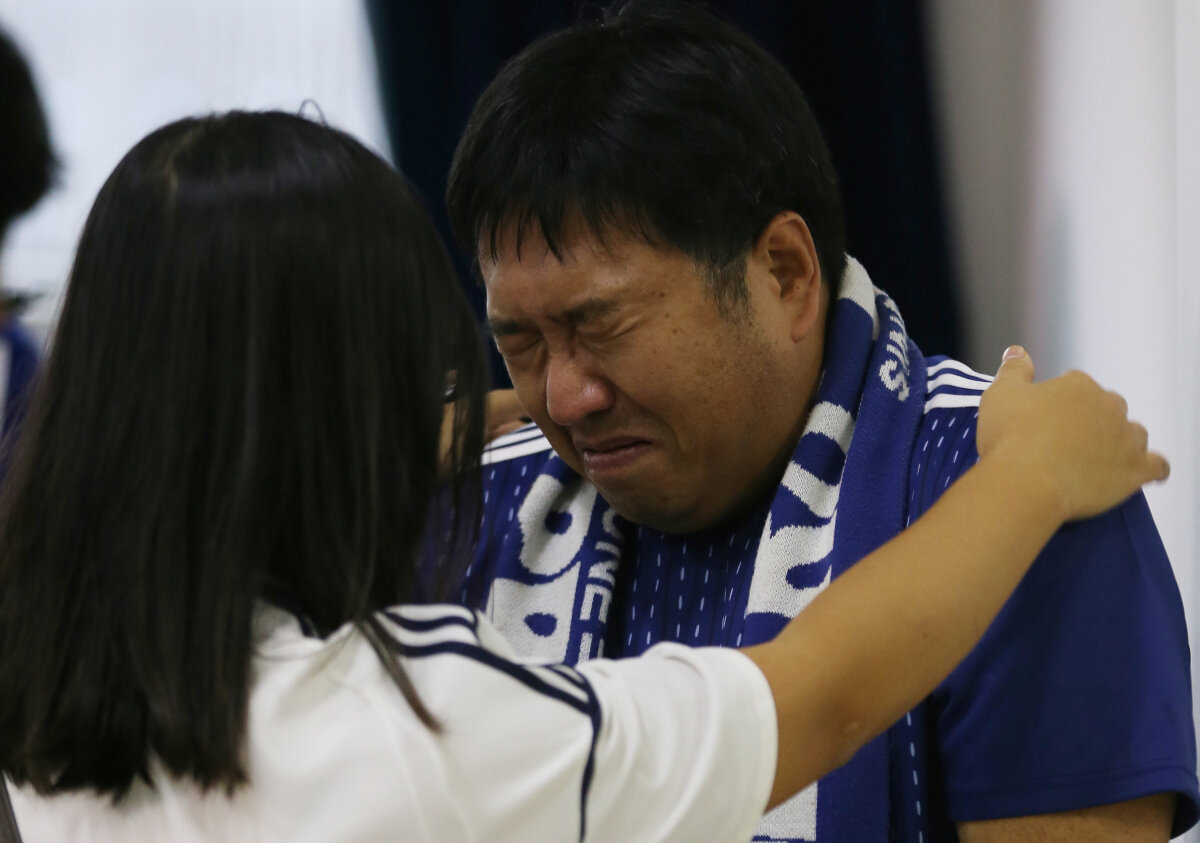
x: 504, y: 327
x: 577, y: 315
x: 588, y: 311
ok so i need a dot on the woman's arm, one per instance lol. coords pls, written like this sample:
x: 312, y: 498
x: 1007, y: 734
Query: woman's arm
x: 882, y: 636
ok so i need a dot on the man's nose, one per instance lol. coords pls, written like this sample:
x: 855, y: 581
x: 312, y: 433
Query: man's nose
x: 575, y: 389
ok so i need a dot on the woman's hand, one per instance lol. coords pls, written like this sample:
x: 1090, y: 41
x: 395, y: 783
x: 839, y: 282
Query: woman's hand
x: 1068, y: 433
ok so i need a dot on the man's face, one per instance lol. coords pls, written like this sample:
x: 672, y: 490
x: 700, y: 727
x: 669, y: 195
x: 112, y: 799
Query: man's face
x: 679, y: 414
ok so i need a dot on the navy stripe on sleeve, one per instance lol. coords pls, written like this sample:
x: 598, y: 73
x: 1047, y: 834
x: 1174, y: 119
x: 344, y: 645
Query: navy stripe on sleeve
x: 593, y: 711
x: 525, y: 675
x: 576, y: 691
x: 571, y: 675
x: 429, y: 624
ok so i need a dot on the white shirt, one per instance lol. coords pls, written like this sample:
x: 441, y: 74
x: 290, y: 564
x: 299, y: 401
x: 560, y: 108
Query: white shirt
x: 676, y: 746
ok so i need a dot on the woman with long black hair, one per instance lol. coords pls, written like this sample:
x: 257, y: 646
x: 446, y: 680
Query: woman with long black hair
x: 212, y: 623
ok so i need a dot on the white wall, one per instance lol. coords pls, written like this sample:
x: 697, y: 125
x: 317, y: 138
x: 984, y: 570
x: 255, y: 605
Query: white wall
x: 983, y: 80
x: 111, y: 70
x: 1102, y: 268
x: 1186, y: 481
x: 1072, y: 130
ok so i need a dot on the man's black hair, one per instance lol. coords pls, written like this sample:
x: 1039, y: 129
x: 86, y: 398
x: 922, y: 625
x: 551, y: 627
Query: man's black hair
x: 658, y: 120
x: 27, y: 163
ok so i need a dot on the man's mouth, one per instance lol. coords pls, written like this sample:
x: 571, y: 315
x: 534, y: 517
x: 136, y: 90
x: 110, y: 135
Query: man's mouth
x: 611, y: 456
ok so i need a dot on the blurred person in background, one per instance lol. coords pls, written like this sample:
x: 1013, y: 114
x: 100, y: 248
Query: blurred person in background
x: 27, y: 167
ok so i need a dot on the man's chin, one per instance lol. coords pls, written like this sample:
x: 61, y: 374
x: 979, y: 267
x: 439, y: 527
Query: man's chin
x: 652, y: 509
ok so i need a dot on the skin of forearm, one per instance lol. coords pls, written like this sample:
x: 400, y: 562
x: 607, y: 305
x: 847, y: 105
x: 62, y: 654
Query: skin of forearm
x: 882, y: 636
x: 1144, y: 820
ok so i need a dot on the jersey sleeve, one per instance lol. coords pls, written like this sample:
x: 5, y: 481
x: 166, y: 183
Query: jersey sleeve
x: 1079, y: 694
x: 687, y: 746
x: 676, y: 746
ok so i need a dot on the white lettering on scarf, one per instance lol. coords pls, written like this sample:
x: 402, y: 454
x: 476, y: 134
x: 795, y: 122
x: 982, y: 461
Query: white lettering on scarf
x: 601, y: 579
x: 894, y: 371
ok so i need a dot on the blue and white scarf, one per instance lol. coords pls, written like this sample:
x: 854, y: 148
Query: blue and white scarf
x: 842, y: 496
x: 552, y: 573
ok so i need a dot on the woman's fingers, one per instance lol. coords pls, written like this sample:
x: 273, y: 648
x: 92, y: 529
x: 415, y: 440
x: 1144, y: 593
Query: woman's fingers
x: 1158, y: 467
x: 1069, y: 431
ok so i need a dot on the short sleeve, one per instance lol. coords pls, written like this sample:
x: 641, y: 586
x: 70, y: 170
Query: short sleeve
x: 687, y: 747
x: 1079, y: 693
x: 678, y: 745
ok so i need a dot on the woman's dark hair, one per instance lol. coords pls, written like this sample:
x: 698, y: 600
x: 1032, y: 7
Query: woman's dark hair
x: 658, y: 120
x: 243, y: 403
x: 27, y: 162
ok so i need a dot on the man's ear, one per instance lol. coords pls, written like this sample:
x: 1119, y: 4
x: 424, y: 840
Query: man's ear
x: 786, y: 251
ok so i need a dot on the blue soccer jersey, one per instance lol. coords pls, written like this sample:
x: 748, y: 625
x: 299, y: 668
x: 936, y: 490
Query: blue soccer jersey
x: 1078, y: 695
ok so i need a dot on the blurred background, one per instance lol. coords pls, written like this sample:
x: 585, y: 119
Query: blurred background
x: 1025, y: 171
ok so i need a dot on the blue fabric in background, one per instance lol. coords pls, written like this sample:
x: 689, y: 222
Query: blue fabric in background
x: 23, y: 356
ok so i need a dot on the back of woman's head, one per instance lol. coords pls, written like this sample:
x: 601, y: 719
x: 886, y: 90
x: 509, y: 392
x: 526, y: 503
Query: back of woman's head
x: 243, y: 401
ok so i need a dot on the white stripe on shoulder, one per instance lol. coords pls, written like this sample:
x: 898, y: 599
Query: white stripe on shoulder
x: 953, y: 366
x: 946, y: 382
x: 521, y: 434
x: 515, y: 445
x: 951, y: 400
x: 952, y: 379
